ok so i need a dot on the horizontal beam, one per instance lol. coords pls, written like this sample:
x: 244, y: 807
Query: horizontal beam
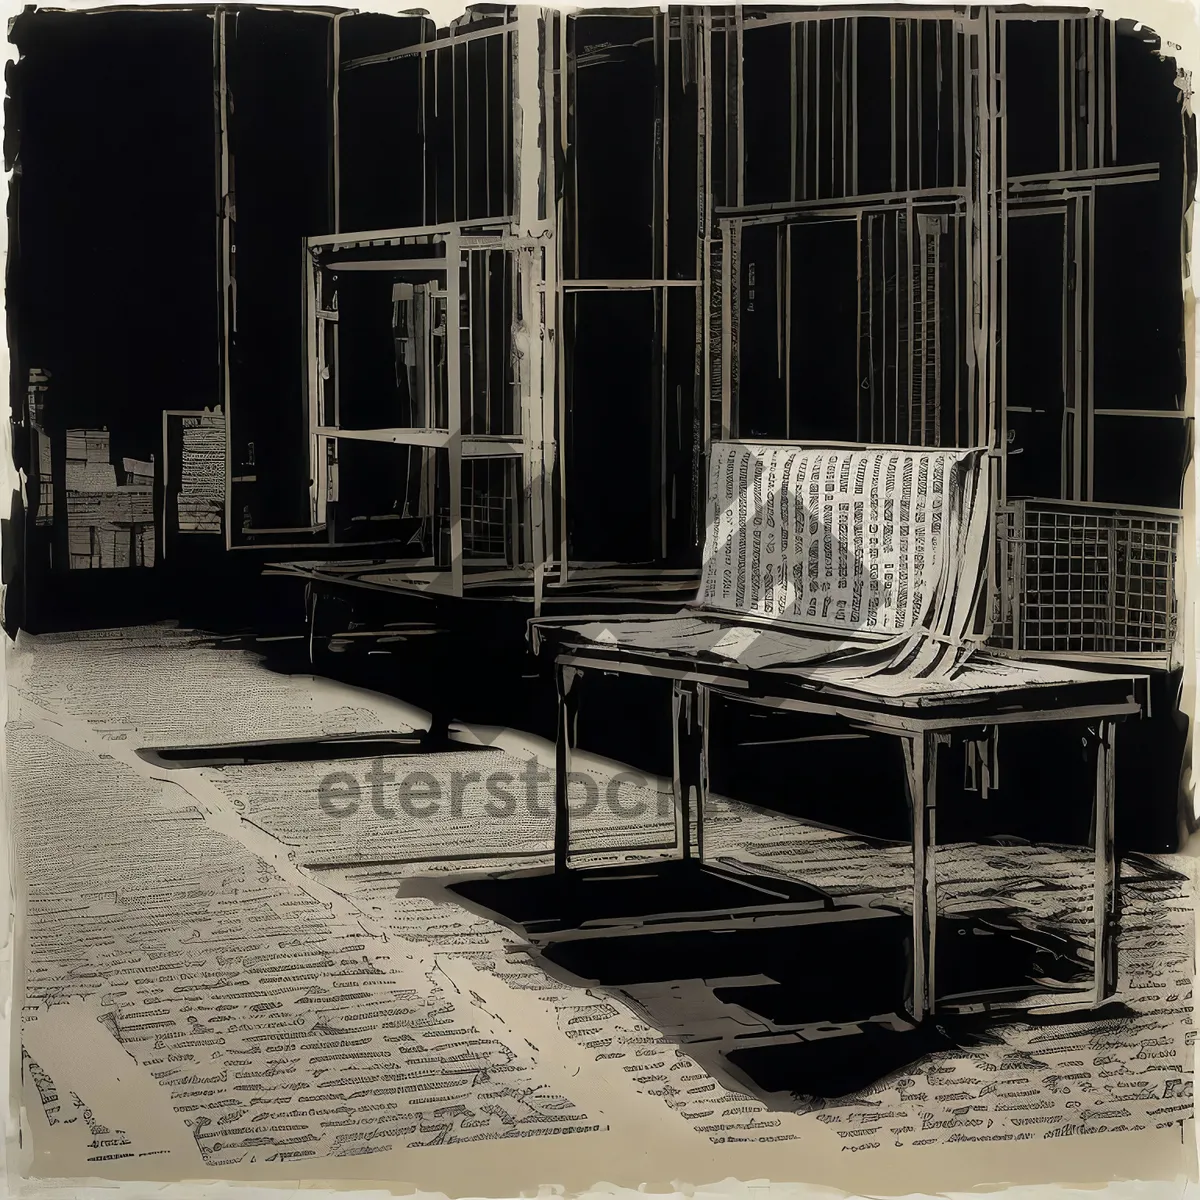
x: 439, y: 265
x: 364, y: 237
x: 439, y: 43
x: 613, y: 285
x: 1173, y: 414
x: 488, y: 446
x: 1086, y: 179
x: 437, y: 438
x: 919, y: 197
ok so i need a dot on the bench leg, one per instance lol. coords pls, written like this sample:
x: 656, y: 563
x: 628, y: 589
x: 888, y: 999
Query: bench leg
x: 1104, y: 902
x: 920, y: 760
x: 689, y: 705
x: 566, y: 678
x: 310, y: 614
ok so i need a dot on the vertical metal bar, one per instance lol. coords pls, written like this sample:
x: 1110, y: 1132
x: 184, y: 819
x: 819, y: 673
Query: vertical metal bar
x: 689, y: 785
x: 845, y: 102
x: 937, y: 341
x: 820, y: 24
x: 466, y: 131
x: 507, y: 51
x: 663, y: 43
x: 741, y: 139
x: 727, y: 303
x: 1017, y: 593
x: 854, y: 107
x: 487, y: 126
x: 806, y: 193
x: 987, y: 190
x: 896, y: 308
x: 909, y: 56
x: 225, y: 264
x: 485, y: 261
x: 878, y: 405
x: 858, y: 326
x: 314, y: 338
x: 683, y: 697
x: 1062, y: 96
x: 1088, y: 203
x: 918, y: 54
x: 1073, y: 91
x: 424, y: 119
x: 1078, y: 469
x: 957, y: 100
x: 1099, y: 107
x: 911, y: 317
x: 566, y: 678
x: 972, y: 219
x: 1112, y: 88
x: 166, y: 484
x: 662, y: 299
x: 919, y: 751
x: 703, y: 710
x: 786, y: 306
x: 1104, y: 897
x: 336, y: 172
x: 663, y: 39
x: 704, y: 242
x: 566, y: 103
x: 1092, y: 27
x: 958, y: 225
x: 1000, y: 253
x: 792, y: 108
x: 892, y: 29
x: 454, y: 260
x: 1067, y: 486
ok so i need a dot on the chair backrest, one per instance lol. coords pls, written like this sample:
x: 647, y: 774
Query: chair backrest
x: 870, y: 542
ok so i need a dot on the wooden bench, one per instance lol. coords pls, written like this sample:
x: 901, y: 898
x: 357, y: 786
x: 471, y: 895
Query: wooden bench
x: 849, y: 582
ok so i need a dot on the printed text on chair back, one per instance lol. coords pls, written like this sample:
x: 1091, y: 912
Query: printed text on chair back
x: 871, y: 541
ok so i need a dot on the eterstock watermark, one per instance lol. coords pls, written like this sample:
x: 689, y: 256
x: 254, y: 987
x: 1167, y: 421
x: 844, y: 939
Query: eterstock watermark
x: 420, y: 794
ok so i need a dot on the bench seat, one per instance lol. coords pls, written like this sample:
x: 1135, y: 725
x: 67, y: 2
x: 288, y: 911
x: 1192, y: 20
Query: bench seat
x: 793, y: 663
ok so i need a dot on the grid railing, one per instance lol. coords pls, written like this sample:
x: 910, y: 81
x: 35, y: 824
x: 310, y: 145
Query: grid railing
x: 1086, y: 578
x: 489, y: 509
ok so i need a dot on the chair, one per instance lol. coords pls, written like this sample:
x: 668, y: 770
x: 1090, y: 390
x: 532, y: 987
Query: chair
x: 849, y: 582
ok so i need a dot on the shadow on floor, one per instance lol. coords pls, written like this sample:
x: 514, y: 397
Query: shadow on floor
x: 775, y: 987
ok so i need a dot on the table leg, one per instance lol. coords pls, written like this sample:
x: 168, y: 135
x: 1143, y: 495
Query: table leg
x: 920, y: 758
x: 310, y: 611
x: 689, y: 705
x: 566, y: 679
x: 1104, y: 901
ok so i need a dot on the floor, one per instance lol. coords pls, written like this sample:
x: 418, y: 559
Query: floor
x: 208, y: 982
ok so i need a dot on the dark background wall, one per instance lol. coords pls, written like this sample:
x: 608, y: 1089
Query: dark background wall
x: 113, y: 289
x: 113, y: 283
x: 279, y: 76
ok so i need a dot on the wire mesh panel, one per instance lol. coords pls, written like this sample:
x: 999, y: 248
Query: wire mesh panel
x: 489, y: 510
x: 1088, y: 579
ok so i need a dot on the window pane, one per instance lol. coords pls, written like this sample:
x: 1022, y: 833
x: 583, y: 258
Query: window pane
x: 1035, y: 348
x: 1032, y: 101
x: 824, y: 330
x: 395, y: 493
x: 767, y: 113
x: 491, y: 397
x: 612, y: 467
x: 390, y: 360
x: 611, y: 174
x: 1139, y: 298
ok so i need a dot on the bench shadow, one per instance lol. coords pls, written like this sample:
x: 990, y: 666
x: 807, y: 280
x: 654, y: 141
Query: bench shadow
x: 777, y: 989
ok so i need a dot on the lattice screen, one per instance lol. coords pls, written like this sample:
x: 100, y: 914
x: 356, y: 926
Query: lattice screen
x: 1087, y: 578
